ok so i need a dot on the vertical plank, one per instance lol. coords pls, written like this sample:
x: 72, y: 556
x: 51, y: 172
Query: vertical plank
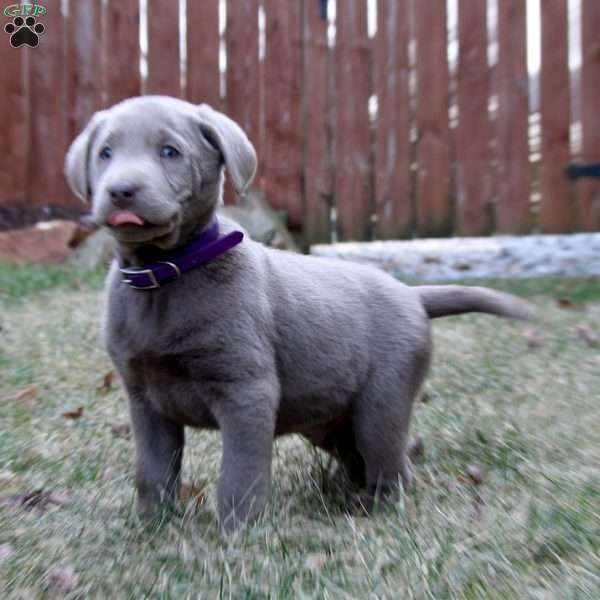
x: 121, y: 65
x: 555, y: 213
x: 433, y: 150
x: 47, y: 109
x: 589, y: 189
x: 353, y: 85
x: 282, y: 148
x: 513, y: 208
x: 14, y: 117
x: 202, y: 39
x: 317, y: 125
x: 164, y: 70
x: 243, y: 75
x: 84, y: 68
x: 474, y: 182
x: 392, y: 143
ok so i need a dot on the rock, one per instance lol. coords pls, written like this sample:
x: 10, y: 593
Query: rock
x: 262, y: 223
x: 95, y: 251
x: 514, y: 257
x: 50, y: 242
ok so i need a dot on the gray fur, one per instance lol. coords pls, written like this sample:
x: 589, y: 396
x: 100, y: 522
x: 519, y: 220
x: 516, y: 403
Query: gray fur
x: 259, y: 342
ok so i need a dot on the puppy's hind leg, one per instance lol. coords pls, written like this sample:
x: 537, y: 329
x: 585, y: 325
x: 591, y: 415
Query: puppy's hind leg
x: 381, y: 421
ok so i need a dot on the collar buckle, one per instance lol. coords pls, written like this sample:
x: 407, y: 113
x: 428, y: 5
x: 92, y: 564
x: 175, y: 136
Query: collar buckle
x: 134, y: 272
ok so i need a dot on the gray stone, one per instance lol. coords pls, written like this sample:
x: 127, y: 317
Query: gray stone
x: 574, y: 255
x: 262, y: 223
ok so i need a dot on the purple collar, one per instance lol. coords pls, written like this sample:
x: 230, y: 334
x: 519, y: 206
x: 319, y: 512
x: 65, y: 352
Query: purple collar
x: 206, y: 247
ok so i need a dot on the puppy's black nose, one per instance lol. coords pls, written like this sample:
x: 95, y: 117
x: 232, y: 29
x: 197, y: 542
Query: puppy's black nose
x: 123, y: 194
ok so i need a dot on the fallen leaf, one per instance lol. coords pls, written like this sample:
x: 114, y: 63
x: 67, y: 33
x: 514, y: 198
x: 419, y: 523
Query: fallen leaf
x: 6, y: 551
x: 533, y: 337
x: 36, y: 499
x: 26, y: 397
x: 61, y: 579
x: 107, y: 382
x: 586, y: 334
x: 190, y: 493
x: 565, y: 303
x: 121, y: 430
x: 73, y: 415
x: 475, y: 474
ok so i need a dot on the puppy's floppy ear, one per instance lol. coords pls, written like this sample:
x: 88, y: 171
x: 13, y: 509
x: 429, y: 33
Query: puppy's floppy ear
x: 229, y: 138
x: 77, y: 159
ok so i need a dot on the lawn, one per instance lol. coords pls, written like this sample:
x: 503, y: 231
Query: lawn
x: 507, y: 496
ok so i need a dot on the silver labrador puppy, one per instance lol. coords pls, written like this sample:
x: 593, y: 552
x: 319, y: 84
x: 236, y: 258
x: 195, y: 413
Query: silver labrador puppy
x: 256, y: 342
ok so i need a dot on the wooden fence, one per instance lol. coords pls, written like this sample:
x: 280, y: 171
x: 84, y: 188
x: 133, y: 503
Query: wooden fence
x: 359, y: 132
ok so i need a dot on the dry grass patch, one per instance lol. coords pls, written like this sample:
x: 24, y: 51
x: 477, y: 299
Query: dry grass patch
x: 526, y: 419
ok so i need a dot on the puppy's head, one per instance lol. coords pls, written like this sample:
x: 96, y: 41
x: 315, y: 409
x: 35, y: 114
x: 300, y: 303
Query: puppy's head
x: 152, y: 167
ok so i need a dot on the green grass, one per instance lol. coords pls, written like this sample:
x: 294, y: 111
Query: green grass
x: 17, y: 283
x: 530, y: 419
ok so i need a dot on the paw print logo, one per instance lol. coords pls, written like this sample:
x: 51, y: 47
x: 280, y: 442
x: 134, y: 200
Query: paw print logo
x: 24, y: 32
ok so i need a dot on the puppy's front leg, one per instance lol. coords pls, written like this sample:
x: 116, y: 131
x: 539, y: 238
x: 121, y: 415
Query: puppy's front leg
x: 245, y: 478
x: 159, y: 449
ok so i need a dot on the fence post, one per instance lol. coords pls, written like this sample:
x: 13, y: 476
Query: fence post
x: 353, y: 135
x: 14, y: 119
x: 555, y: 209
x: 316, y: 125
x: 202, y: 39
x: 164, y: 70
x: 433, y: 152
x: 474, y: 181
x: 84, y: 34
x: 589, y: 189
x: 48, y: 112
x: 513, y: 205
x: 282, y: 150
x: 243, y: 77
x: 393, y: 200
x: 121, y: 51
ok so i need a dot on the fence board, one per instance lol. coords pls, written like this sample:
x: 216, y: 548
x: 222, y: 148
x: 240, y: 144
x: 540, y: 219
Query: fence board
x: 164, y: 70
x: 202, y: 39
x: 353, y: 137
x: 243, y: 76
x: 317, y: 126
x: 84, y: 91
x: 121, y: 65
x: 589, y: 189
x: 474, y: 182
x: 555, y: 211
x: 282, y: 70
x: 433, y: 151
x: 14, y: 116
x: 392, y: 144
x: 513, y: 206
x: 48, y: 113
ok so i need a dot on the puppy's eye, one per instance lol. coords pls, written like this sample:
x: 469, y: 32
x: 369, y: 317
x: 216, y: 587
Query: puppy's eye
x: 105, y: 153
x: 169, y: 152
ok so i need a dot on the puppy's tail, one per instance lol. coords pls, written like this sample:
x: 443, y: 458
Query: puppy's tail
x: 447, y: 300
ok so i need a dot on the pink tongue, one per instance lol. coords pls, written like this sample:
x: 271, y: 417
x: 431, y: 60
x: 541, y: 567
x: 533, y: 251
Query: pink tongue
x: 124, y: 217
